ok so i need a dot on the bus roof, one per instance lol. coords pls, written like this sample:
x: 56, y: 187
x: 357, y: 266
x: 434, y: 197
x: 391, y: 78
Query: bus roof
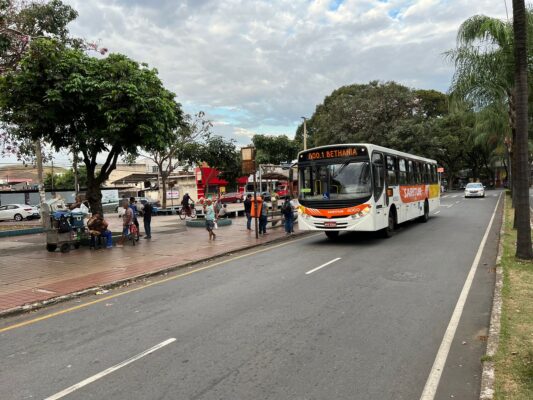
x: 371, y: 148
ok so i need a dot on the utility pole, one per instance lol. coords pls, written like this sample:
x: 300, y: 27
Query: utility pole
x: 75, y: 168
x: 40, y: 181
x: 52, y: 174
x: 305, y: 132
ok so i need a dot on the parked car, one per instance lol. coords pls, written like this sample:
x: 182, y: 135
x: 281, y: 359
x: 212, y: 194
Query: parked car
x: 233, y: 197
x: 111, y: 206
x: 475, y: 190
x: 18, y: 212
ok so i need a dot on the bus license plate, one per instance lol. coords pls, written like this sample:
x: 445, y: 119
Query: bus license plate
x: 330, y: 224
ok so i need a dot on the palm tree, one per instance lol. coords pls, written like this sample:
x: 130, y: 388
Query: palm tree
x: 484, y: 62
x: 523, y: 242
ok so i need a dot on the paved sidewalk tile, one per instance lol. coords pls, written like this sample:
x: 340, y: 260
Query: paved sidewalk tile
x: 29, y: 274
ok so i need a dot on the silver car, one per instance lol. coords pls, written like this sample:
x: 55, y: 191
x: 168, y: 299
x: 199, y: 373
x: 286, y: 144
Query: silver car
x: 475, y: 190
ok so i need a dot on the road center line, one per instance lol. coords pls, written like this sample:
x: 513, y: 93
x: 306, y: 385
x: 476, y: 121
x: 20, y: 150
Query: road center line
x: 99, y: 375
x: 433, y: 380
x: 322, y: 266
x: 436, y: 212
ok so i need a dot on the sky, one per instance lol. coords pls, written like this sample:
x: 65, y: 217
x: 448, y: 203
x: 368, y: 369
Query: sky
x: 258, y: 66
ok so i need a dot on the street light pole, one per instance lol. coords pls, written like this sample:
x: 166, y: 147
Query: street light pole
x: 305, y: 132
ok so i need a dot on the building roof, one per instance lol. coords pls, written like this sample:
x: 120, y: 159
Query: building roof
x: 135, y: 178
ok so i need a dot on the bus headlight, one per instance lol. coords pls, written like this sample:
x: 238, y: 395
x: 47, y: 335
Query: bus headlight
x: 301, y: 211
x: 361, y: 213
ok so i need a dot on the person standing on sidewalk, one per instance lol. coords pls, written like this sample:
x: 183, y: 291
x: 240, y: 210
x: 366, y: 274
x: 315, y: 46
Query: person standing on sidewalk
x: 248, y: 211
x: 147, y: 220
x: 135, y: 212
x: 263, y: 218
x: 288, y: 213
x: 209, y: 212
x: 127, y: 220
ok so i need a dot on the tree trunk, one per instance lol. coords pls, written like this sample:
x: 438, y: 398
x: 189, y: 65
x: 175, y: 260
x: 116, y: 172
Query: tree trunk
x: 523, y: 242
x: 164, y: 178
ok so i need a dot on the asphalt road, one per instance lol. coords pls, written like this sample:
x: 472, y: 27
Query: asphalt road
x: 263, y: 326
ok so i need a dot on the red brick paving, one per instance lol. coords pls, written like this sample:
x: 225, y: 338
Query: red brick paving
x: 34, y: 275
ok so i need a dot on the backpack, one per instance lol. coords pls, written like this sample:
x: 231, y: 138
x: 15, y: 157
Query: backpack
x: 286, y: 207
x: 63, y: 225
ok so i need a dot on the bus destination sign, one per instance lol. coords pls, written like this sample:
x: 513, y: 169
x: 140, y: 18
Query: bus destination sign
x: 344, y: 152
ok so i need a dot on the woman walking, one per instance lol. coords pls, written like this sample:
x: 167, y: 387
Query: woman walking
x: 209, y: 212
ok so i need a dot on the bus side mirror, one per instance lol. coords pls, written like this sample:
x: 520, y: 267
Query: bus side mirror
x: 390, y: 192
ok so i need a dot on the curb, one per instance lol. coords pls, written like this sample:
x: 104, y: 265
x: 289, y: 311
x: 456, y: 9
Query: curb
x: 126, y: 281
x: 488, y: 374
x: 20, y: 232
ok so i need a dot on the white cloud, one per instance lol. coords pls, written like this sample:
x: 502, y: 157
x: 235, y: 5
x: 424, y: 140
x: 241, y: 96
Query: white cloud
x: 266, y: 63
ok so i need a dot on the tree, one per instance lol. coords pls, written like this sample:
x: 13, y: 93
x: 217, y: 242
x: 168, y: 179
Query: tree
x: 94, y: 106
x: 22, y: 21
x: 360, y: 113
x: 484, y: 63
x: 523, y: 223
x: 274, y: 149
x: 167, y: 157
x: 217, y: 152
x: 67, y: 180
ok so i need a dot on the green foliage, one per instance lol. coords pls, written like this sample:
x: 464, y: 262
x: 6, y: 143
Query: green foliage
x: 66, y: 181
x: 92, y: 106
x: 20, y: 22
x: 222, y: 154
x: 274, y: 149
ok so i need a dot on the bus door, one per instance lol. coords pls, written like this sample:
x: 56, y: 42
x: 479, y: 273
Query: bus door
x: 378, y: 184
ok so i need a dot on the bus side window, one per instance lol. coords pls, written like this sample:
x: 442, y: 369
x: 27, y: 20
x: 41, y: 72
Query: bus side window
x: 434, y: 177
x: 415, y: 173
x: 427, y: 174
x: 410, y: 175
x: 378, y: 171
x: 403, y: 171
x: 392, y: 178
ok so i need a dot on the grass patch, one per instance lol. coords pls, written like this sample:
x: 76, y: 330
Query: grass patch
x: 514, y: 359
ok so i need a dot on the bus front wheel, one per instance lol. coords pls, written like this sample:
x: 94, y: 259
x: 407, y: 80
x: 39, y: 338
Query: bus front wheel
x: 389, y: 230
x: 332, y: 235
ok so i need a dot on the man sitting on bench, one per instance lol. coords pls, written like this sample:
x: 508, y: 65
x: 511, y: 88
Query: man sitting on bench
x: 98, y: 228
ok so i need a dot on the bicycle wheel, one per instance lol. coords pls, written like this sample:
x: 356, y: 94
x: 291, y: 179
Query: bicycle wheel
x: 182, y: 214
x: 193, y: 213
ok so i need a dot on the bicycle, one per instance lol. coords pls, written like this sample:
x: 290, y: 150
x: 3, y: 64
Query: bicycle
x: 183, y: 212
x: 133, y: 234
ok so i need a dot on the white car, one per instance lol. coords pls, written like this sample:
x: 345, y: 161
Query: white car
x: 17, y: 212
x: 475, y: 190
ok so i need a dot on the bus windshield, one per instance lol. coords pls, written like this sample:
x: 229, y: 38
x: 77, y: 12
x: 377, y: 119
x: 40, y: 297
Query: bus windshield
x: 342, y: 181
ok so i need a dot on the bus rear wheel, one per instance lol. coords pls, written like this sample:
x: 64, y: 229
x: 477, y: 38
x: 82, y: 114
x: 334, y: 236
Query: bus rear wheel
x: 332, y: 235
x: 425, y: 217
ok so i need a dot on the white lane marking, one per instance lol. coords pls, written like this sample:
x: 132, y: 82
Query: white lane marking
x: 433, y: 380
x: 322, y: 266
x: 455, y: 195
x: 436, y: 212
x: 93, y: 378
x: 447, y: 205
x: 457, y: 202
x: 444, y: 196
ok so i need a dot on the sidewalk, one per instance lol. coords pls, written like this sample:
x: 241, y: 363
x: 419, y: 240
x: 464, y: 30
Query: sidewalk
x: 29, y: 274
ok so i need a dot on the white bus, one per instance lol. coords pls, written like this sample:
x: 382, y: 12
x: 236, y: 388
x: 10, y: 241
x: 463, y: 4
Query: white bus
x: 364, y: 187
